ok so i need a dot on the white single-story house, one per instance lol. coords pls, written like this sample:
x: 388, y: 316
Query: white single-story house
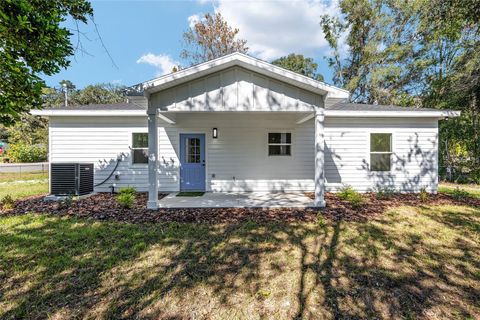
x: 239, y: 124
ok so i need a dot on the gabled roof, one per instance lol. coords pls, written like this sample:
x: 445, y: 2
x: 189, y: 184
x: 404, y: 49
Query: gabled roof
x: 244, y: 61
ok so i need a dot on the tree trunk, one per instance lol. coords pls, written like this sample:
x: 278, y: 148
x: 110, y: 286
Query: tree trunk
x: 476, y: 136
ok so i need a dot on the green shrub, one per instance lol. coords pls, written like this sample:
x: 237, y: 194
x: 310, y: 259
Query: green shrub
x: 347, y: 193
x: 460, y: 194
x: 423, y: 195
x: 126, y: 200
x: 128, y: 190
x: 384, y: 193
x: 21, y: 152
x: 356, y: 200
x: 475, y: 175
x: 7, y: 202
x: 321, y: 220
x: 66, y: 202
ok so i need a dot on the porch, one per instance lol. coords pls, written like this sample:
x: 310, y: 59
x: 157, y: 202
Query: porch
x: 238, y: 200
x: 237, y: 124
x: 251, y: 159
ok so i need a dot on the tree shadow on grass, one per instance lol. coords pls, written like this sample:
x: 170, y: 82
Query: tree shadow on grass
x: 381, y: 269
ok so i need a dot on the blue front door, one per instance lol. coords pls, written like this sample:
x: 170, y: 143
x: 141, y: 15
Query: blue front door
x: 192, y: 162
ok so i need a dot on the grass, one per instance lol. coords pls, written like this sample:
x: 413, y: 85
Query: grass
x: 190, y: 194
x: 14, y: 176
x: 420, y: 262
x: 23, y: 189
x: 472, y: 189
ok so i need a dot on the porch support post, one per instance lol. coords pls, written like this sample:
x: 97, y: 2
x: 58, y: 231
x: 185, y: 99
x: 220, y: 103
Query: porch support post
x: 319, y: 159
x: 152, y: 160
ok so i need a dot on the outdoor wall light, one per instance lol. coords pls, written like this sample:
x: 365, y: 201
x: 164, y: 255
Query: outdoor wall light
x: 215, y: 133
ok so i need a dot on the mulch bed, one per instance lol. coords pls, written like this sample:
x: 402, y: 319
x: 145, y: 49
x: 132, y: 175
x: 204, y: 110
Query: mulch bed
x: 103, y: 206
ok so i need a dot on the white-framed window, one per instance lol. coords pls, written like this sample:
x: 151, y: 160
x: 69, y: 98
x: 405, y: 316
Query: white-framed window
x: 139, y: 147
x: 279, y: 144
x: 380, y: 151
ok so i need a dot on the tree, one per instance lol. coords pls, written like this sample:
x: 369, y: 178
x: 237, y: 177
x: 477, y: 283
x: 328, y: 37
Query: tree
x: 211, y: 38
x: 381, y: 50
x: 103, y: 93
x: 451, y: 36
x: 32, y: 42
x: 31, y: 130
x: 67, y: 84
x: 415, y: 53
x: 299, y: 64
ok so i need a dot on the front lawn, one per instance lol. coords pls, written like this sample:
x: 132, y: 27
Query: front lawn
x: 24, y: 176
x: 21, y: 189
x: 410, y: 262
x: 473, y: 190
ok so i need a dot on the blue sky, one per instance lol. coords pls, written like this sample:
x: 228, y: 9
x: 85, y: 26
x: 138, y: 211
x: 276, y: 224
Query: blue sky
x: 144, y: 38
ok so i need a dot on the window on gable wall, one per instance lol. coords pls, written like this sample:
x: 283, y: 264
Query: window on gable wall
x: 380, y: 151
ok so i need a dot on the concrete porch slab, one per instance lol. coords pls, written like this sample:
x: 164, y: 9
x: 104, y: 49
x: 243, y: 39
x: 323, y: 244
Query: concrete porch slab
x: 238, y: 200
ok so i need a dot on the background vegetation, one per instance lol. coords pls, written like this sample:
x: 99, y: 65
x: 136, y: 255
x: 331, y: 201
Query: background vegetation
x: 415, y: 54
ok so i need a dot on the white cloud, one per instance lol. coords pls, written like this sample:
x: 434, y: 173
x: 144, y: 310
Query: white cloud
x: 164, y: 63
x: 192, y: 20
x: 276, y: 28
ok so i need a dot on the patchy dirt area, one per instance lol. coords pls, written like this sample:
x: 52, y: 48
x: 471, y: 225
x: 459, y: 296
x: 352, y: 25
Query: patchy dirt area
x: 103, y: 206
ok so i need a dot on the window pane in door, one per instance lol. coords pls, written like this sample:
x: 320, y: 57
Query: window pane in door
x: 193, y: 151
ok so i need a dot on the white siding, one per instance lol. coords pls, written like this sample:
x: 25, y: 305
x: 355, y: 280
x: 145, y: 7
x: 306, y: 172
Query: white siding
x: 235, y: 89
x: 414, y: 159
x: 99, y: 140
x: 238, y: 160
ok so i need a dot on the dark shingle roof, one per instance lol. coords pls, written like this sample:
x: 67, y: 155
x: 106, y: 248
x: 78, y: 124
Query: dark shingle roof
x: 341, y: 106
x: 111, y: 106
x: 345, y: 106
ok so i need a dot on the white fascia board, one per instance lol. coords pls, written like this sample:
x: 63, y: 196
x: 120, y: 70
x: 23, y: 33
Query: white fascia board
x: 247, y: 62
x: 165, y: 118
x: 91, y: 113
x: 306, y: 118
x: 392, y: 114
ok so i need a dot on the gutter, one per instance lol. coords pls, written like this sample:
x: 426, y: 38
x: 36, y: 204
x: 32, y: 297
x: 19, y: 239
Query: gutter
x: 392, y: 114
x: 441, y: 114
x: 95, y: 113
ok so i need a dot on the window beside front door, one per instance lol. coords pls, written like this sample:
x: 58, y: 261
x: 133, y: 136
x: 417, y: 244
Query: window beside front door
x: 279, y: 144
x: 380, y: 151
x: 139, y: 148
